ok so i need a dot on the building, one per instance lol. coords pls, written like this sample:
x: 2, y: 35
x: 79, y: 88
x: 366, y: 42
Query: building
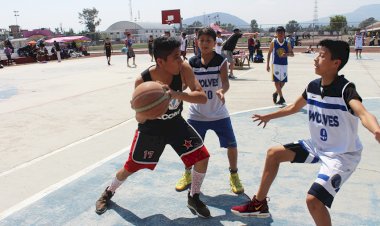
x: 45, y: 32
x: 4, y: 34
x: 140, y: 30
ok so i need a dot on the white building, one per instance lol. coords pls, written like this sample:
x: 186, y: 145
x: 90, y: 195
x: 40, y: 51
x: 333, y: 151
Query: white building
x: 139, y: 30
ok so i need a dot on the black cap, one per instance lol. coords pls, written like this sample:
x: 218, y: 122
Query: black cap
x: 280, y: 28
x: 236, y: 30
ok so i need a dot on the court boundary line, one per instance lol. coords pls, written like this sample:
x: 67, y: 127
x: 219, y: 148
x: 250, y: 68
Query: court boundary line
x: 80, y: 173
x: 61, y: 149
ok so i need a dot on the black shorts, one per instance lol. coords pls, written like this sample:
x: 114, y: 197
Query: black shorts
x: 146, y: 149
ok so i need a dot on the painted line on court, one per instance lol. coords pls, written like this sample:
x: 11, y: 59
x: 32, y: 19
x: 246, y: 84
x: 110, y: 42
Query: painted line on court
x: 33, y: 161
x: 57, y: 186
x: 66, y: 181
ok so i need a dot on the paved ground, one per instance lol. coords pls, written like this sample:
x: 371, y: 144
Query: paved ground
x: 65, y: 128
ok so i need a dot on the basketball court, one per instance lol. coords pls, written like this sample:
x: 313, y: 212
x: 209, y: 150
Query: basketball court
x: 66, y: 132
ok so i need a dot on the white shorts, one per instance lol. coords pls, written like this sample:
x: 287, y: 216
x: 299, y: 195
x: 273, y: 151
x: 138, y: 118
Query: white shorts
x: 279, y: 73
x: 358, y: 46
x: 333, y: 173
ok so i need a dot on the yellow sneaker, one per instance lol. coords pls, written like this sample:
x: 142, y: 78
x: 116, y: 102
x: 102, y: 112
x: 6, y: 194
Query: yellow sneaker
x: 235, y: 184
x: 185, y: 181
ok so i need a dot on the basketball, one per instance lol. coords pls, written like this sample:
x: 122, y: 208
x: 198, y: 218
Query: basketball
x: 150, y: 100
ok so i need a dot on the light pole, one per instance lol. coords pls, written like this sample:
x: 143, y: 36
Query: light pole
x: 16, y: 15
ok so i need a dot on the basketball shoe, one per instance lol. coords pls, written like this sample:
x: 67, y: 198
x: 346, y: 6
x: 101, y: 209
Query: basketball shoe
x: 103, y: 202
x: 197, y: 207
x: 236, y: 186
x: 185, y: 181
x: 254, y: 208
x: 281, y: 101
x: 275, y: 95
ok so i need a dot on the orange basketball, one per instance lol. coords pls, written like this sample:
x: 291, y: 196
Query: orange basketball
x: 150, y: 100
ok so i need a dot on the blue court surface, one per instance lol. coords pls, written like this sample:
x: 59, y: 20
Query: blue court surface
x: 149, y: 198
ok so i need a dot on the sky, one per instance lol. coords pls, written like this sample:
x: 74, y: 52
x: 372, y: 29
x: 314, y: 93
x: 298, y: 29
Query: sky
x: 54, y: 14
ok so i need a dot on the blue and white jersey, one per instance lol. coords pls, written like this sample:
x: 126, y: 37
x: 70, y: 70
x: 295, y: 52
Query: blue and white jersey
x: 278, y: 50
x: 209, y: 78
x: 332, y: 124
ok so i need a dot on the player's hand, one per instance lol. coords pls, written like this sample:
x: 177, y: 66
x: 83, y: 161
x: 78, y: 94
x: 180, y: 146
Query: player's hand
x: 220, y: 94
x: 262, y: 118
x: 268, y: 68
x: 377, y: 135
x: 172, y: 94
x: 140, y: 119
x: 284, y: 55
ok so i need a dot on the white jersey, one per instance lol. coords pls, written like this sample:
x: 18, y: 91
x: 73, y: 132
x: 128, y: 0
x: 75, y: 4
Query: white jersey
x: 209, y: 78
x: 218, y: 49
x: 359, y: 41
x: 183, y: 44
x: 333, y: 128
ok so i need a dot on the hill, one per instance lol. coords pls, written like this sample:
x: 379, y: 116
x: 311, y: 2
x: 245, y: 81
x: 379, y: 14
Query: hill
x: 224, y: 18
x: 357, y: 16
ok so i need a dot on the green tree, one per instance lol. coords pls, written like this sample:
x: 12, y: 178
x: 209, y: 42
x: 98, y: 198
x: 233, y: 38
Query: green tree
x: 197, y: 24
x: 89, y: 17
x: 272, y: 29
x: 228, y: 27
x: 292, y: 26
x: 337, y: 23
x: 367, y: 22
x: 254, y: 26
x: 70, y: 32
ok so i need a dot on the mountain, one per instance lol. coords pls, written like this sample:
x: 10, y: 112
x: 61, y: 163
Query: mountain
x: 224, y: 18
x: 357, y: 16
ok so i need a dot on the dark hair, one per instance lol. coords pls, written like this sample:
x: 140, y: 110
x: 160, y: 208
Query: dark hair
x: 236, y: 30
x: 218, y: 32
x: 207, y: 31
x: 164, y: 46
x: 340, y: 50
x: 280, y: 29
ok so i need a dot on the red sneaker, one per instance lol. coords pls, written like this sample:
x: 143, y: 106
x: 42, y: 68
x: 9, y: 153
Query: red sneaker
x: 254, y: 208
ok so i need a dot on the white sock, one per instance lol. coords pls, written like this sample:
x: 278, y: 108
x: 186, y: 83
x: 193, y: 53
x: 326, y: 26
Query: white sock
x: 115, y: 184
x: 196, y: 182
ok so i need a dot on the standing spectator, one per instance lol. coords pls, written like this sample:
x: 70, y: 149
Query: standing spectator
x: 197, y: 50
x: 359, y: 41
x: 228, y: 48
x: 183, y: 45
x: 130, y: 53
x: 108, y: 49
x: 219, y: 42
x: 279, y: 49
x: 251, y: 47
x: 9, y: 44
x: 150, y: 47
x: 57, y: 50
x: 8, y: 53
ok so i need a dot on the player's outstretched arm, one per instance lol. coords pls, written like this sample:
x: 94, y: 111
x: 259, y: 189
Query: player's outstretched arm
x: 196, y: 94
x: 368, y: 120
x: 288, y: 110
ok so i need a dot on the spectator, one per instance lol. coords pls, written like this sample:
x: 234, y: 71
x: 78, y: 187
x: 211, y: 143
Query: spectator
x: 8, y: 53
x: 183, y: 45
x: 219, y: 42
x: 251, y: 47
x: 130, y: 53
x: 108, y: 49
x: 197, y: 50
x: 57, y: 50
x: 150, y: 47
x: 228, y: 48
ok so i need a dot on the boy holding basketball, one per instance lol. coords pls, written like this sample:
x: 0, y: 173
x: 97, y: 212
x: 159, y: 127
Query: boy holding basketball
x: 152, y: 135
x: 210, y: 69
x: 334, y: 107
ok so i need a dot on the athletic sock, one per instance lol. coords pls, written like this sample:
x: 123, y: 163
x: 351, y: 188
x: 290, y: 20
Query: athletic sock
x: 196, y: 182
x: 115, y: 184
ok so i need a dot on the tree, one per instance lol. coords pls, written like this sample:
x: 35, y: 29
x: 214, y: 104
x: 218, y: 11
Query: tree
x: 88, y: 17
x: 292, y: 26
x: 197, y: 24
x: 367, y: 22
x: 337, y: 23
x: 70, y: 32
x: 272, y: 29
x: 228, y: 27
x: 254, y: 26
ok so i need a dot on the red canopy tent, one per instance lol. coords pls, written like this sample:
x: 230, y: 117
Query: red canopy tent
x: 69, y: 39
